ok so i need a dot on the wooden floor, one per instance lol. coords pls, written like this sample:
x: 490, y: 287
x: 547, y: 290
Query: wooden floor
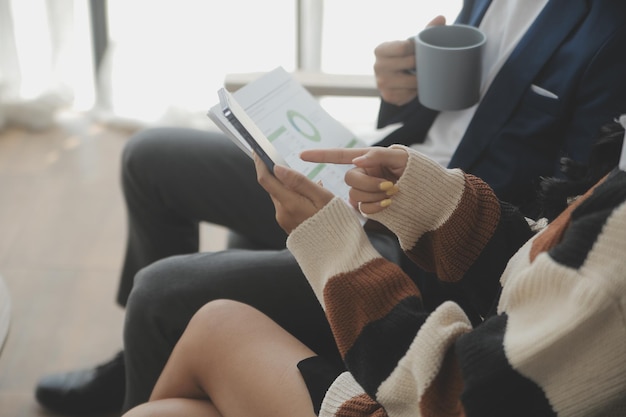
x: 62, y: 231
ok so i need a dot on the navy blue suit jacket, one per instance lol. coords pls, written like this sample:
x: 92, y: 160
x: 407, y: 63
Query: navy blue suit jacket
x: 575, y: 49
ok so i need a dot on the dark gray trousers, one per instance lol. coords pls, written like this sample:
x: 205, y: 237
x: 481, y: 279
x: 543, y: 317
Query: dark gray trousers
x: 173, y: 179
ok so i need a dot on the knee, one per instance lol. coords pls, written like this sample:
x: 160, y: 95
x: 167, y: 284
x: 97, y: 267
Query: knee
x: 138, y: 146
x: 166, y: 294
x: 141, y: 150
x: 221, y: 311
x: 222, y: 315
x: 157, y: 298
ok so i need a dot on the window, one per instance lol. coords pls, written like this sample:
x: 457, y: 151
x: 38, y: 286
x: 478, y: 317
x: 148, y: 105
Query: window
x: 351, y: 31
x: 168, y: 58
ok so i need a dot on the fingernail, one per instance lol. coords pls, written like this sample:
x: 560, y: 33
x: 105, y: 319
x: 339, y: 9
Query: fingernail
x: 394, y: 190
x: 385, y: 203
x: 385, y: 185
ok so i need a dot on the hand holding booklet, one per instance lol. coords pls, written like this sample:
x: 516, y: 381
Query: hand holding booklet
x: 277, y: 118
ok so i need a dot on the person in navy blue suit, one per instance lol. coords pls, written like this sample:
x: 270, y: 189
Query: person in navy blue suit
x: 553, y: 75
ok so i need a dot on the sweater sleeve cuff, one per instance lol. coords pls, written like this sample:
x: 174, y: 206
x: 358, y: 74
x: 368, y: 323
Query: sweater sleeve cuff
x: 428, y: 195
x: 345, y: 392
x: 329, y: 243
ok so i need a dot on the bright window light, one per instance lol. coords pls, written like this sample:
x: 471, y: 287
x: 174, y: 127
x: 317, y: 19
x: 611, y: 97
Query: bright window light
x: 34, y: 52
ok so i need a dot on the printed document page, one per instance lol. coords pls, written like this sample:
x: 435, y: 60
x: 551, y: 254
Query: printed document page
x: 292, y: 120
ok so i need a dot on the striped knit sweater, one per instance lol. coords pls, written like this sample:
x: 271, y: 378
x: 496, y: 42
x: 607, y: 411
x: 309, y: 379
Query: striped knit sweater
x: 554, y: 346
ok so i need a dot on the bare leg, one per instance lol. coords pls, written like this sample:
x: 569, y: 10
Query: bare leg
x: 175, y: 407
x: 240, y: 359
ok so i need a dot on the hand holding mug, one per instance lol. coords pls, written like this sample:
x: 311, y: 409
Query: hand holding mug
x: 394, y: 69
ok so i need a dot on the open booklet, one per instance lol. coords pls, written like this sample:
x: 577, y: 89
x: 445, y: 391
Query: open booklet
x: 277, y: 118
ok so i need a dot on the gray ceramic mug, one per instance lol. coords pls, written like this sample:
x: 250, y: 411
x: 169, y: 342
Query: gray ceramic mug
x: 449, y: 66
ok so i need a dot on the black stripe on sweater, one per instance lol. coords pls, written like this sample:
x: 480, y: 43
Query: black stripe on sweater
x: 382, y: 343
x: 588, y: 220
x: 492, y: 387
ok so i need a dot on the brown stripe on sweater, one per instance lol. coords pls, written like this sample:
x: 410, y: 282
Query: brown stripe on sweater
x: 450, y: 250
x: 356, y: 298
x: 362, y: 405
x: 442, y: 397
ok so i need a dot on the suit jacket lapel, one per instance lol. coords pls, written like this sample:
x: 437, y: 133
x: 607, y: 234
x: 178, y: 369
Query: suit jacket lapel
x: 554, y: 23
x: 473, y: 12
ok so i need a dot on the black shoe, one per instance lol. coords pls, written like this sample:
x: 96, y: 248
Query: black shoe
x: 88, y: 391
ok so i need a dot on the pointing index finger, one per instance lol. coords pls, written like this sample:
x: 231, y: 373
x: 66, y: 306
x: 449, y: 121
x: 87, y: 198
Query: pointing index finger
x: 333, y: 155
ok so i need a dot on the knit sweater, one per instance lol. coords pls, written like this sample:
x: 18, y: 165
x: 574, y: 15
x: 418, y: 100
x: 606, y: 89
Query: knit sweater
x: 553, y: 345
